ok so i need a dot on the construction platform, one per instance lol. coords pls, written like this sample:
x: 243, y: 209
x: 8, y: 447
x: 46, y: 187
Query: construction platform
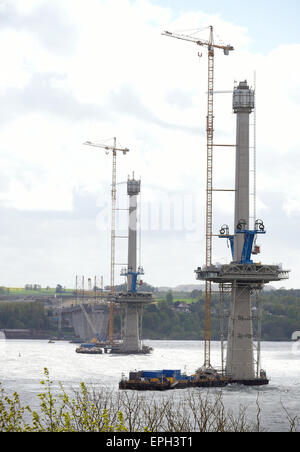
x: 251, y: 273
x: 134, y: 297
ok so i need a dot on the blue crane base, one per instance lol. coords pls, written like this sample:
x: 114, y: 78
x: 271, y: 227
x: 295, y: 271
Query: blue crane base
x: 134, y: 279
x: 248, y: 244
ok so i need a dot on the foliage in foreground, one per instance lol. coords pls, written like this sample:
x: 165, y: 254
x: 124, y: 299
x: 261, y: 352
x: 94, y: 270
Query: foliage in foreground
x: 94, y: 410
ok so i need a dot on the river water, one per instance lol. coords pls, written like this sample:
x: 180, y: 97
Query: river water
x: 22, y: 363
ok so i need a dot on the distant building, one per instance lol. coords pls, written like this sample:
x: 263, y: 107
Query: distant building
x: 33, y: 287
x: 181, y: 307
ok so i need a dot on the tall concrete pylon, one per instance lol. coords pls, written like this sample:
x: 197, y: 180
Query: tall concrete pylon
x: 133, y: 190
x: 132, y: 302
x: 133, y: 309
x: 240, y: 357
x: 242, y: 277
x: 243, y: 105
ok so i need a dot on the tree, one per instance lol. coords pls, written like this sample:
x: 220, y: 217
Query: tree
x: 169, y: 297
x: 59, y: 288
x: 196, y: 293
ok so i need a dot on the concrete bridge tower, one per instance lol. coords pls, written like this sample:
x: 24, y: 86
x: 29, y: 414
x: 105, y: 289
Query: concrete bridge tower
x: 240, y: 358
x: 242, y: 277
x: 132, y: 301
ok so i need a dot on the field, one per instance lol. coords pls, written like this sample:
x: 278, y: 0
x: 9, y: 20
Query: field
x: 22, y: 292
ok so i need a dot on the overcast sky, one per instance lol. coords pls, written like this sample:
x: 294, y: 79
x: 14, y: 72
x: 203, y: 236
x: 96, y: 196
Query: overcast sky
x: 75, y: 70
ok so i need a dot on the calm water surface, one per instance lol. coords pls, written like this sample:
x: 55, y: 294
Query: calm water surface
x: 22, y: 363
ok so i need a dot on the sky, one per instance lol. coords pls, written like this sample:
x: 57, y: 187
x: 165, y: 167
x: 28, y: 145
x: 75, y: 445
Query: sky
x: 74, y: 71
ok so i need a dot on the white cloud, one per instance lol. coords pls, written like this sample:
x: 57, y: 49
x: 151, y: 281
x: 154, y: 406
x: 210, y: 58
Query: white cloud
x: 101, y: 69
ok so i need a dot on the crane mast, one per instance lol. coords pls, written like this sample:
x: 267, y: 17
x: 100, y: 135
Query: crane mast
x: 209, y: 192
x: 114, y: 149
x: 113, y: 218
x: 209, y: 178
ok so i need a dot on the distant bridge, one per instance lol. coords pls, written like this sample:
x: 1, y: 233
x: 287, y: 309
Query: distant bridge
x: 88, y: 320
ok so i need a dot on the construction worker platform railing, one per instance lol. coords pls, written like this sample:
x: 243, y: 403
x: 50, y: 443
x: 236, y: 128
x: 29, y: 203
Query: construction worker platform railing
x: 132, y: 297
x: 251, y: 273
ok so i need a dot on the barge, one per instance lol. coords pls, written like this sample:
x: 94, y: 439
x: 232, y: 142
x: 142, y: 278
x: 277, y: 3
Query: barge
x: 162, y: 380
x: 93, y: 348
x: 118, y: 349
x: 90, y: 349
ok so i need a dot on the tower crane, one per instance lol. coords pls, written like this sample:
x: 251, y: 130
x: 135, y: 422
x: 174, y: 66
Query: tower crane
x: 211, y: 46
x: 114, y: 149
